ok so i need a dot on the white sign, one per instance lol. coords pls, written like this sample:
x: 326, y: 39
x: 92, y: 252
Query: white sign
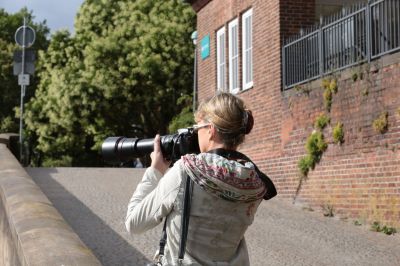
x: 23, y: 79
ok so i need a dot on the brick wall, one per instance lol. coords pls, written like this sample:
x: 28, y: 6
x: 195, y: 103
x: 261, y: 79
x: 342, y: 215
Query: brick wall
x: 361, y: 178
x: 296, y: 14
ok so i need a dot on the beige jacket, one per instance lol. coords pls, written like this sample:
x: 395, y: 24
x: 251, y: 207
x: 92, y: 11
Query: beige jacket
x: 216, y: 227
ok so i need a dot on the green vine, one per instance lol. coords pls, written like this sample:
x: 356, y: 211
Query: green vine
x: 316, y: 144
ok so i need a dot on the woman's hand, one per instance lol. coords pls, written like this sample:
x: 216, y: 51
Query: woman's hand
x: 157, y: 159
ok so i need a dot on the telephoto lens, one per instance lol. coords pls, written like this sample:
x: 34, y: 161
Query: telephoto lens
x: 121, y: 149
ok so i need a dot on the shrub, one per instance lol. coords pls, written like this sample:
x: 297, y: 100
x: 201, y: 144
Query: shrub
x: 333, y: 86
x: 326, y: 83
x: 64, y: 161
x: 322, y: 121
x: 182, y: 120
x: 328, y: 99
x: 354, y: 77
x: 381, y: 123
x: 305, y: 164
x: 338, y: 134
x: 316, y: 146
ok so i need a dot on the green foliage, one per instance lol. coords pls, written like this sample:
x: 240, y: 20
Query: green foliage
x: 9, y: 88
x: 377, y: 227
x: 316, y: 146
x: 330, y: 87
x: 357, y: 223
x: 322, y: 121
x: 338, y: 134
x: 354, y: 77
x: 305, y: 164
x: 64, y: 161
x: 124, y: 69
x: 184, y: 118
x: 381, y: 123
x: 333, y: 86
x: 8, y: 125
x: 326, y: 83
x: 328, y: 99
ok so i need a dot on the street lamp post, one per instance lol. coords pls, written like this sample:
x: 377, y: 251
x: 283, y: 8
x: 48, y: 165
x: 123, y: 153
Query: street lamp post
x: 194, y: 39
x: 24, y: 37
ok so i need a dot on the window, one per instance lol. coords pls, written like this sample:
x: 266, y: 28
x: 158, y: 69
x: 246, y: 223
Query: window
x: 233, y: 56
x: 221, y: 60
x: 247, y: 53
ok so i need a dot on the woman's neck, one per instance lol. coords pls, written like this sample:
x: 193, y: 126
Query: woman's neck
x: 215, y: 145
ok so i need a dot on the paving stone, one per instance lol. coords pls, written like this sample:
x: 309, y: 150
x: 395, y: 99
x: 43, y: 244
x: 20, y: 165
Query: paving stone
x: 94, y: 200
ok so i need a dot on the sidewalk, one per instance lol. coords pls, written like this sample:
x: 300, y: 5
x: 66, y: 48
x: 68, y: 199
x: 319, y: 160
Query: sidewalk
x: 93, y: 201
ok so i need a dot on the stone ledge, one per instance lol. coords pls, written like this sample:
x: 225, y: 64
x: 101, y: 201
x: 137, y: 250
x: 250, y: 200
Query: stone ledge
x: 33, y: 231
x: 5, y: 137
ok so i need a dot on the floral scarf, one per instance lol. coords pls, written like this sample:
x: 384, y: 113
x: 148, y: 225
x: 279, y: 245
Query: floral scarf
x: 224, y: 178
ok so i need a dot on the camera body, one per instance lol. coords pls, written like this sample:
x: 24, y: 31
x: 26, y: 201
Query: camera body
x: 120, y: 149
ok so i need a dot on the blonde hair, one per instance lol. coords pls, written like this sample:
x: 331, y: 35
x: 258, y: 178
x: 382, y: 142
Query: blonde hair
x: 229, y: 115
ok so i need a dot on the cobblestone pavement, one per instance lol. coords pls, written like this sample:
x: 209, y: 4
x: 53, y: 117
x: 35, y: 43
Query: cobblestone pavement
x: 94, y: 200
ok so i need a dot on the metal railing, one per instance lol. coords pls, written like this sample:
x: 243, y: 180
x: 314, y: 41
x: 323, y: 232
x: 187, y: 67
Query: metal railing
x: 359, y: 33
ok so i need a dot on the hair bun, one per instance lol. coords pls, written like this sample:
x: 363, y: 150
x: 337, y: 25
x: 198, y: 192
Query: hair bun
x: 250, y: 121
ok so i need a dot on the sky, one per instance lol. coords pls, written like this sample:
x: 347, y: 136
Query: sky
x: 59, y: 14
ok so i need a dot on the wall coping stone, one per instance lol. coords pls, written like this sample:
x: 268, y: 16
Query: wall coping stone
x: 39, y: 233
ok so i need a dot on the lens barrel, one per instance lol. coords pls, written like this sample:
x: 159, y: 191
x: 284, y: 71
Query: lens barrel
x: 121, y: 149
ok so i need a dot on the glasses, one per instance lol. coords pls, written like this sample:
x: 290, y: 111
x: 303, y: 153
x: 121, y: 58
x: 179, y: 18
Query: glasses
x: 197, y: 127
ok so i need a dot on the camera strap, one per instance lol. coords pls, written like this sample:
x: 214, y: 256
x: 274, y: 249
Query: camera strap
x: 235, y: 155
x: 185, y: 217
x: 163, y: 239
x: 187, y: 199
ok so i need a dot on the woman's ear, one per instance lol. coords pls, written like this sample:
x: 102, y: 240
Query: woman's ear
x: 212, y: 131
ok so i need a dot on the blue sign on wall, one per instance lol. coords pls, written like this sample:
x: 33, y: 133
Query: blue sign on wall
x: 205, y: 47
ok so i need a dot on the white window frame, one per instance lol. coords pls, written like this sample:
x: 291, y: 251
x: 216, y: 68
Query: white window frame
x: 247, y: 50
x: 233, y: 27
x: 221, y: 60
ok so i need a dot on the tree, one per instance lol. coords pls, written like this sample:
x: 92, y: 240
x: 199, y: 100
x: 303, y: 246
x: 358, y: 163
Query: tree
x: 125, y: 67
x: 9, y: 89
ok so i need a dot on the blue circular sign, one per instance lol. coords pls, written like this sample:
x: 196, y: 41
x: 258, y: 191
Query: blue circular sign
x: 25, y: 36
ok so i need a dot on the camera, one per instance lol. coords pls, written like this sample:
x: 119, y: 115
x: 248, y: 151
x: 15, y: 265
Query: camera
x: 120, y: 149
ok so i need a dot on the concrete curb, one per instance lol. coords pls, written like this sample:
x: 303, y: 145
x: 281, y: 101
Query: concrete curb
x: 32, y: 232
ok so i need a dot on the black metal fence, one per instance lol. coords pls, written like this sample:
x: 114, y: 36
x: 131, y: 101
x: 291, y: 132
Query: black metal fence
x: 358, y: 34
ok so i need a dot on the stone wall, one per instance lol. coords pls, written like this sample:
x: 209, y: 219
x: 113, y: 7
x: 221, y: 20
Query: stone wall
x: 32, y: 231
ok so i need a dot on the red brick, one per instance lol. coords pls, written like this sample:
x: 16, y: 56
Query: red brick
x: 365, y: 167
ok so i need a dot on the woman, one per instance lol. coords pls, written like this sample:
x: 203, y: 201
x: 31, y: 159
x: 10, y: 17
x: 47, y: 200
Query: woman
x: 226, y: 194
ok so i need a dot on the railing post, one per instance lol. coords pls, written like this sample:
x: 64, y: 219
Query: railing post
x: 320, y: 48
x: 283, y: 66
x: 368, y: 30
